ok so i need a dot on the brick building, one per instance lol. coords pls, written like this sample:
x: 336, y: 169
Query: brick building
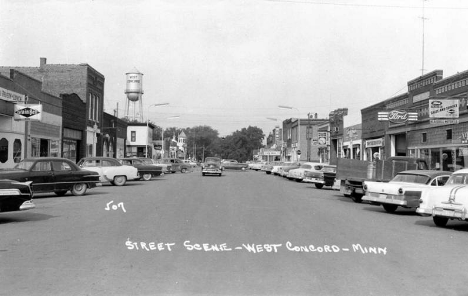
x: 87, y: 84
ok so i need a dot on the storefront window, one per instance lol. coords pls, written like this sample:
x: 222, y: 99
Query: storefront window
x: 69, y: 149
x: 17, y: 151
x: 54, y: 148
x: 435, y: 159
x: 462, y: 158
x: 35, y: 146
x: 3, y: 150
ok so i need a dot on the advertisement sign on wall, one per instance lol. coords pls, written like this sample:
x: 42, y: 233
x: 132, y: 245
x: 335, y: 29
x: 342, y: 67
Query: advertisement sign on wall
x: 447, y: 108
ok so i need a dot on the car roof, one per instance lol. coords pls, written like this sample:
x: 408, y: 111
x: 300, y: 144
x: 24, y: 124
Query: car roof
x: 461, y: 171
x: 98, y: 158
x: 46, y: 158
x: 429, y: 173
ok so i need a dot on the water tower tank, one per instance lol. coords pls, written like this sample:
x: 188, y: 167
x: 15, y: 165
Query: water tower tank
x: 134, y: 85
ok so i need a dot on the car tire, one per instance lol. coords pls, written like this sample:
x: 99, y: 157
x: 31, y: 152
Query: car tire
x: 119, y: 180
x: 79, y: 189
x: 146, y: 177
x: 219, y: 175
x: 60, y: 192
x: 318, y: 186
x: 203, y: 174
x: 390, y: 208
x: 440, y: 221
x: 357, y: 198
x: 183, y: 170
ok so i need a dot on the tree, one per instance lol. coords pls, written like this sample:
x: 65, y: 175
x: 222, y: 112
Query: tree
x: 199, y: 141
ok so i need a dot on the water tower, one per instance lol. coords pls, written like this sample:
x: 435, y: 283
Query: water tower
x: 134, y: 92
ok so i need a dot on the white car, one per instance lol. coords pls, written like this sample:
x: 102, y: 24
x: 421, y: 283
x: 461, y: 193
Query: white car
x: 404, y: 190
x: 298, y: 174
x: 447, y: 202
x: 110, y: 170
x: 256, y: 166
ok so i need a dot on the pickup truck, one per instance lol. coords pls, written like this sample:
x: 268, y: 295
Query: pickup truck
x: 232, y: 164
x: 352, y: 172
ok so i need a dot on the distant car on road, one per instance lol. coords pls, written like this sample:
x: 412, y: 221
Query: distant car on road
x: 52, y: 174
x: 212, y: 166
x: 166, y: 168
x: 110, y: 170
x: 145, y: 171
x: 232, y: 164
x: 15, y: 196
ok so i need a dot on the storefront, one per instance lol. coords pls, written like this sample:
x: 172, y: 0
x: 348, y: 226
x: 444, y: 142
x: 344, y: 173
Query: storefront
x: 374, y: 149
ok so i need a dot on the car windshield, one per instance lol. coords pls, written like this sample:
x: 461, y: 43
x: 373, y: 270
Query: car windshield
x: 212, y: 159
x: 411, y: 178
x: 306, y: 166
x: 458, y: 179
x: 24, y: 165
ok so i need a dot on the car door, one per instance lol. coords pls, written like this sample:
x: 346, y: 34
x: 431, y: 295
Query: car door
x: 42, y: 176
x: 64, y: 175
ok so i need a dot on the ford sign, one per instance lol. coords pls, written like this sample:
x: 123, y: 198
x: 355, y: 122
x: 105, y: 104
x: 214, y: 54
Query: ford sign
x: 398, y: 116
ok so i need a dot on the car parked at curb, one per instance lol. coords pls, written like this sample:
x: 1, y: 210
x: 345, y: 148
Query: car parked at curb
x: 110, y: 170
x: 286, y: 167
x: 15, y: 196
x: 299, y: 173
x: 177, y: 165
x: 404, y: 190
x: 449, y: 202
x: 145, y: 171
x: 165, y: 167
x: 232, y: 164
x: 322, y: 177
x: 52, y: 174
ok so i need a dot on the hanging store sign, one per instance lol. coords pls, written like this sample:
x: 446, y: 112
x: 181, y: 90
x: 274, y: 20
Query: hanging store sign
x: 375, y: 143
x: 8, y: 95
x: 28, y: 112
x: 447, y: 108
x: 398, y: 116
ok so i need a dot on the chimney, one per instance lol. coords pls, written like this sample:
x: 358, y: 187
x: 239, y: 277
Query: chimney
x: 43, y: 62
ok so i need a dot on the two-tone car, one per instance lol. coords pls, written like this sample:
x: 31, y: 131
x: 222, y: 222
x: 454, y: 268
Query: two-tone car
x: 52, y: 174
x: 177, y: 165
x: 15, y: 196
x: 145, y: 171
x: 449, y: 202
x: 298, y: 174
x: 232, y: 164
x: 322, y: 177
x: 286, y: 167
x: 212, y: 166
x: 166, y: 168
x: 405, y: 189
x: 110, y: 170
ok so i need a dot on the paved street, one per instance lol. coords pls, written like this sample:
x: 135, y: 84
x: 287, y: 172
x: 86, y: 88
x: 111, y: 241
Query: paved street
x: 245, y: 233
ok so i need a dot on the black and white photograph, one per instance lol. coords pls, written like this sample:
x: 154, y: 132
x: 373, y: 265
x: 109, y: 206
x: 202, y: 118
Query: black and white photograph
x: 233, y: 147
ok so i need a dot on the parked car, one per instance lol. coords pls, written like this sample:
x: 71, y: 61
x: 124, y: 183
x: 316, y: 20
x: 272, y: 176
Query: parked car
x: 52, y: 174
x: 275, y: 168
x: 212, y: 166
x: 192, y: 163
x: 404, y: 190
x: 110, y: 170
x: 165, y: 167
x: 447, y: 202
x: 15, y: 196
x: 268, y: 167
x: 177, y: 165
x: 256, y: 166
x: 145, y: 171
x: 232, y: 164
x: 284, y: 169
x: 298, y: 174
x: 322, y: 177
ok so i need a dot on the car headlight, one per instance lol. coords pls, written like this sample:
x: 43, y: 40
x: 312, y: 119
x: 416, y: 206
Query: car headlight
x: 365, y: 187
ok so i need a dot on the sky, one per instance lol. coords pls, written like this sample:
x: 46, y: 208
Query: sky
x: 230, y: 64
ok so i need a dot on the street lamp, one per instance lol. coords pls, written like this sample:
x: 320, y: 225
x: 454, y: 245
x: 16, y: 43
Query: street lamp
x: 298, y: 128
x: 147, y: 123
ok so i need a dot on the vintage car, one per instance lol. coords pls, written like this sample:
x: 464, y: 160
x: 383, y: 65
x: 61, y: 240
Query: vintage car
x: 146, y: 171
x: 110, y: 170
x: 192, y: 163
x: 298, y: 174
x: 284, y: 169
x: 256, y: 166
x: 275, y: 168
x: 52, y: 174
x: 320, y: 178
x: 268, y: 167
x: 177, y: 165
x: 404, y: 190
x: 212, y: 166
x: 15, y: 196
x: 232, y: 164
x: 447, y: 202
x: 165, y: 167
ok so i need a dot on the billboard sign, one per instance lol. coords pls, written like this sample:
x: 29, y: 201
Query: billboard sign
x: 28, y: 112
x: 447, y: 108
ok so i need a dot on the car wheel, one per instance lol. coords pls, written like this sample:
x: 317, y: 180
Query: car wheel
x: 119, y: 180
x: 183, y: 170
x: 390, y: 208
x: 79, y: 189
x: 357, y: 198
x: 202, y: 174
x: 440, y: 221
x: 318, y: 186
x: 146, y: 177
x: 219, y: 175
x: 60, y: 192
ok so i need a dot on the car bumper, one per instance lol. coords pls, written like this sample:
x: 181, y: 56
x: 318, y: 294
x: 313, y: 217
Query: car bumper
x: 313, y: 180
x: 385, y: 200
x: 27, y: 205
x: 454, y: 212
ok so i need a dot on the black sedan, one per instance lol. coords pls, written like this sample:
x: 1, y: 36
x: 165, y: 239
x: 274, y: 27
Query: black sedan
x: 15, y: 196
x: 145, y: 171
x: 52, y: 174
